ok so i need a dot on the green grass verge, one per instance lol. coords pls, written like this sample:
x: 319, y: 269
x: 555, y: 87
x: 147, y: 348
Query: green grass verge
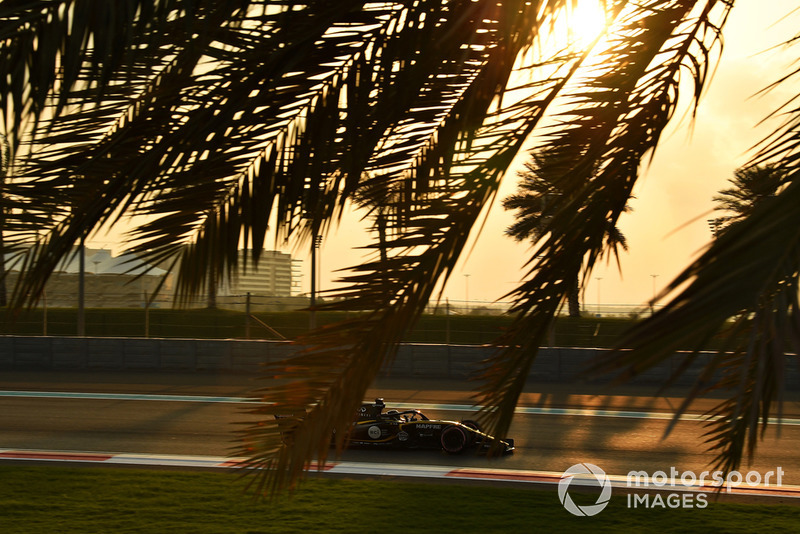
x: 40, y: 499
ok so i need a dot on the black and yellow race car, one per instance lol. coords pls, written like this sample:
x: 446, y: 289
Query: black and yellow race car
x: 375, y: 426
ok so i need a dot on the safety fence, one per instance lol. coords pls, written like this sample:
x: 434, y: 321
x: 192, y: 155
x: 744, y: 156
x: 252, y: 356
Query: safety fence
x: 275, y: 318
x: 230, y: 324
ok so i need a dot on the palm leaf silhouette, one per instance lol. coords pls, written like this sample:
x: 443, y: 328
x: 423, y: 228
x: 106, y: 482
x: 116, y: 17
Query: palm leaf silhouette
x: 215, y: 123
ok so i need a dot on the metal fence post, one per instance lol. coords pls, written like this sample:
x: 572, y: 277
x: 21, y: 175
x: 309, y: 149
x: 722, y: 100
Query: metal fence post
x: 447, y: 321
x: 44, y: 312
x: 247, y: 317
x: 82, y: 286
x: 146, y: 315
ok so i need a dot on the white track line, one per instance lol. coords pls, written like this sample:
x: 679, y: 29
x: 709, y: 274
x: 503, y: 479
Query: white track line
x: 524, y: 410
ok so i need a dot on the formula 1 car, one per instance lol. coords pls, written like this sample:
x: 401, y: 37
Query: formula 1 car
x: 411, y: 429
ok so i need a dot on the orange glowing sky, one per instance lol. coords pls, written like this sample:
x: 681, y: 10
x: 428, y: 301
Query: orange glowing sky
x: 668, y: 224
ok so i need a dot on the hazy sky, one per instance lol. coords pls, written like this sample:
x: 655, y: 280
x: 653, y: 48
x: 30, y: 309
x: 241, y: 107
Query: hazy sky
x: 668, y: 225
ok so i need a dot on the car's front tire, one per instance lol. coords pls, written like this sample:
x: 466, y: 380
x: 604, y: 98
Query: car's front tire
x: 454, y: 439
x: 474, y: 425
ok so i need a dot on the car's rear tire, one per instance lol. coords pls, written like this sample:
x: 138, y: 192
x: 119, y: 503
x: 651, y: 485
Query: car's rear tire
x: 454, y: 440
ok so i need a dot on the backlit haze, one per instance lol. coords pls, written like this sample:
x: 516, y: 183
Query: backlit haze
x: 668, y: 224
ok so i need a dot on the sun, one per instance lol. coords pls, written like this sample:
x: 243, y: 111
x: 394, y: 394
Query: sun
x: 586, y: 19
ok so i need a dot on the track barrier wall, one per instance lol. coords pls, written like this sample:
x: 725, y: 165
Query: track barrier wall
x: 246, y: 356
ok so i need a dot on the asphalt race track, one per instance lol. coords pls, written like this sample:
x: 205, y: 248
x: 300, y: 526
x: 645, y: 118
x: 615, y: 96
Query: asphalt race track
x: 554, y: 428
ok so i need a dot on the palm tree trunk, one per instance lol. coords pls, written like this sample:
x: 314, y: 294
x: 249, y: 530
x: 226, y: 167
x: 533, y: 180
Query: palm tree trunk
x: 211, y: 303
x: 381, y: 224
x: 573, y: 299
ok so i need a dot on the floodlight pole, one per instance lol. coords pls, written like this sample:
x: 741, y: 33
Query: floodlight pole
x: 466, y: 293
x: 598, y: 278
x: 653, y: 302
x: 312, y: 318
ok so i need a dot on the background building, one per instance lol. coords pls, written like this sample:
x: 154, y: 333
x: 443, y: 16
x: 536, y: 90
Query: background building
x: 272, y: 277
x: 125, y: 281
x: 110, y: 281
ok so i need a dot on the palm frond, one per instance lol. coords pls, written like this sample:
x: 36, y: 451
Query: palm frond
x: 212, y: 119
x: 434, y: 205
x: 744, y: 287
x: 617, y: 122
x: 219, y: 118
